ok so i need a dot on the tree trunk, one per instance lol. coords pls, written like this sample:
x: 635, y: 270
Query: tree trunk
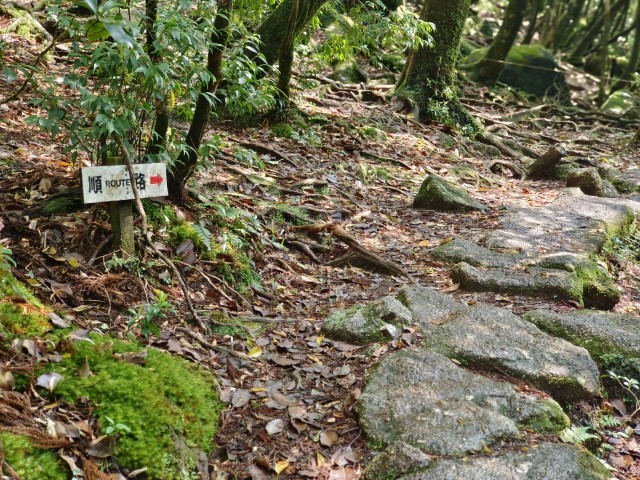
x: 285, y: 61
x: 569, y: 29
x: 604, y: 53
x: 430, y: 75
x: 492, y: 63
x: 632, y: 66
x: 592, y: 32
x: 188, y: 159
x: 273, y: 31
x: 533, y: 21
x: 161, y: 124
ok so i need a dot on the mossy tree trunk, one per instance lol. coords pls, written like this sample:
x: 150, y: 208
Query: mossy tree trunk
x: 604, y: 53
x: 188, y: 159
x: 492, y: 63
x: 285, y: 61
x: 275, y: 29
x: 429, y: 77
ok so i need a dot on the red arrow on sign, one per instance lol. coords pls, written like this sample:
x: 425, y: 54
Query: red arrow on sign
x: 156, y: 179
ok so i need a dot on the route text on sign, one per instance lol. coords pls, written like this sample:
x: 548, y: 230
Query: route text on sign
x: 112, y: 184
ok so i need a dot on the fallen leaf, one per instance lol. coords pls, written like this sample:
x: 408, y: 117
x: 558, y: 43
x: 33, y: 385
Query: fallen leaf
x: 81, y: 335
x: 102, y: 446
x: 22, y: 344
x: 275, y: 426
x: 136, y: 358
x: 57, y: 321
x: 49, y: 380
x: 240, y: 398
x: 281, y: 466
x: 328, y: 438
x: 452, y: 288
x: 45, y: 185
x: 6, y: 380
x: 343, y: 474
x: 61, y: 289
x: 255, y: 352
x: 619, y: 406
x: 85, y: 371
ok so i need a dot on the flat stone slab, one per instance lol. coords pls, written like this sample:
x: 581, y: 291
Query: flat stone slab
x: 427, y: 306
x: 379, y: 321
x: 461, y: 250
x: 425, y: 400
x: 571, y: 223
x: 548, y: 461
x: 493, y: 338
x: 538, y: 282
x: 601, y: 333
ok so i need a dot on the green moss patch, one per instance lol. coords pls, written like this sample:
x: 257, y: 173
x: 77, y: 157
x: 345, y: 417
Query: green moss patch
x: 29, y: 461
x: 529, y: 68
x: 168, y: 404
x: 21, y: 314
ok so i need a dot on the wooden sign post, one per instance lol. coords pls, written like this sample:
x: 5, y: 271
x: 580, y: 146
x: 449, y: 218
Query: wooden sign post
x: 112, y: 184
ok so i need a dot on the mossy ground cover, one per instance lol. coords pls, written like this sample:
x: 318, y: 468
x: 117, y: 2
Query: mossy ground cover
x: 29, y: 461
x: 168, y: 404
x: 21, y: 314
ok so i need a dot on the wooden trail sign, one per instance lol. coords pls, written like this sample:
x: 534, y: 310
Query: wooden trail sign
x: 112, y: 183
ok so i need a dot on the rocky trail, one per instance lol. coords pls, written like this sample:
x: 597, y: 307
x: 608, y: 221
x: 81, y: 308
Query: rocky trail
x: 431, y: 401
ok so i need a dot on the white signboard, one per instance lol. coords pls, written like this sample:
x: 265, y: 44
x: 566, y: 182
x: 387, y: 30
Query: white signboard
x: 111, y: 184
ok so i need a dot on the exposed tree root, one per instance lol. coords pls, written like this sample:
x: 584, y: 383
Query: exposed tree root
x: 360, y: 253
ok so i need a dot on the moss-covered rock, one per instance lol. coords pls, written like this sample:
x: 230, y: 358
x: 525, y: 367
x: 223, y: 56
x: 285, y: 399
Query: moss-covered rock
x: 598, y: 288
x: 461, y: 250
x: 29, y: 461
x: 618, y: 103
x: 348, y: 72
x: 624, y: 182
x: 168, y: 404
x: 436, y: 193
x: 380, y: 321
x: 562, y: 170
x: 612, y: 339
x: 529, y: 68
x: 494, y: 339
x: 425, y: 400
x: 547, y: 461
x: 588, y: 180
x: 537, y: 282
x: 399, y: 459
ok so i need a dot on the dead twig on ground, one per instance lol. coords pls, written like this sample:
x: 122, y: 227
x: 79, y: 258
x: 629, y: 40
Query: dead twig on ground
x: 268, y: 149
x: 216, y: 348
x: 146, y: 233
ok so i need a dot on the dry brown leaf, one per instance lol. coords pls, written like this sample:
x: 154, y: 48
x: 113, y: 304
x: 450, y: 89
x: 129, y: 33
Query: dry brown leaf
x: 6, y: 380
x: 328, y: 438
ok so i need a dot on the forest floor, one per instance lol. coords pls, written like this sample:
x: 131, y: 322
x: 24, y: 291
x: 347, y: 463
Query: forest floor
x: 347, y: 159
